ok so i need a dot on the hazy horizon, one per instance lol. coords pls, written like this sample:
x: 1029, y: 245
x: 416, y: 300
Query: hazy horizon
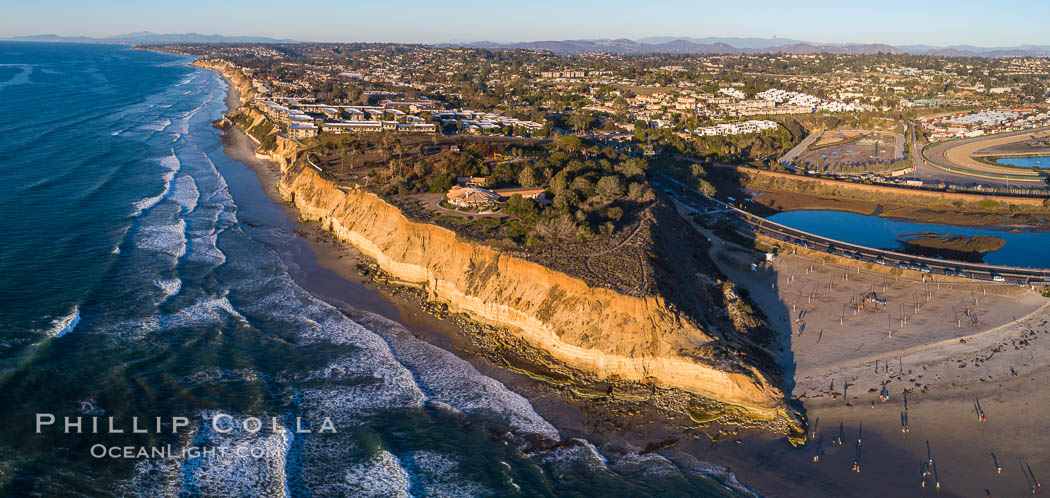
x: 893, y: 22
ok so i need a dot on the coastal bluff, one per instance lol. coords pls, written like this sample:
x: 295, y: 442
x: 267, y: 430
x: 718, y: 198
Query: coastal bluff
x: 596, y: 331
x: 592, y: 329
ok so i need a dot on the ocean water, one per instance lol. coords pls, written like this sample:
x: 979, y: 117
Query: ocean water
x: 146, y: 274
x: 1027, y: 162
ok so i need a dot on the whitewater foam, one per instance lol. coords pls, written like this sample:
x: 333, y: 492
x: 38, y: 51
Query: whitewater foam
x: 186, y: 193
x: 157, y: 125
x: 205, y: 311
x: 171, y: 164
x: 64, y: 325
x: 449, y: 379
x: 203, y: 249
x: 167, y: 237
x: 170, y: 286
x: 436, y: 474
x: 238, y: 473
x: 381, y: 476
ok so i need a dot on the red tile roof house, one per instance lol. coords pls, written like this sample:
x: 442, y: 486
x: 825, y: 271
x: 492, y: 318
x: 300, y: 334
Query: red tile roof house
x: 472, y: 197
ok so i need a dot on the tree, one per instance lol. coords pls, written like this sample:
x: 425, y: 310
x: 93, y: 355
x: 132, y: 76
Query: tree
x: 420, y: 168
x: 633, y: 167
x: 560, y: 182
x: 640, y: 192
x: 555, y: 230
x: 566, y: 199
x: 503, y: 173
x: 521, y: 207
x: 569, y: 143
x: 610, y: 188
x: 527, y: 177
x: 582, y: 122
x: 640, y: 129
x: 441, y: 183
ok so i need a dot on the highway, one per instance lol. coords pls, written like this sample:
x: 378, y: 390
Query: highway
x: 786, y: 234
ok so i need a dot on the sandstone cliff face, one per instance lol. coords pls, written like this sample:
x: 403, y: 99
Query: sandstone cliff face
x: 235, y: 75
x: 591, y: 329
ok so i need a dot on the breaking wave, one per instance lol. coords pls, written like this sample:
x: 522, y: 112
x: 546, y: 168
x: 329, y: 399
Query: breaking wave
x: 64, y: 325
x: 171, y: 164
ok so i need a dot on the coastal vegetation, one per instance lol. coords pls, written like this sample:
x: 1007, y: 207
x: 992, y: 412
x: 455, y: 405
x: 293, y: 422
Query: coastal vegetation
x: 262, y: 130
x: 590, y: 191
x: 952, y: 246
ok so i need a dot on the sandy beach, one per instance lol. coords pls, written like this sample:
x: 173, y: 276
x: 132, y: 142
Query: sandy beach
x: 936, y: 368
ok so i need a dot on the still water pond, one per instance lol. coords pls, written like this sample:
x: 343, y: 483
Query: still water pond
x: 1027, y: 162
x: 1022, y: 248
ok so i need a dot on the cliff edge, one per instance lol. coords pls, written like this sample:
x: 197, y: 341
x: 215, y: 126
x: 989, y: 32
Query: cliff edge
x: 660, y: 338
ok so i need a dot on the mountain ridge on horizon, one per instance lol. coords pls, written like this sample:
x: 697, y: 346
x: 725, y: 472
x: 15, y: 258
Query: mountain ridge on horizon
x: 620, y: 46
x: 731, y: 46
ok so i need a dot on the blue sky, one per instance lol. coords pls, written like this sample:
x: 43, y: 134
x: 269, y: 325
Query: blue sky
x: 935, y: 22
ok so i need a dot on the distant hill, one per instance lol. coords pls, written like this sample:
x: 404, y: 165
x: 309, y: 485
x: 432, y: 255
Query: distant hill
x: 620, y: 46
x: 806, y: 48
x: 712, y: 45
x: 741, y: 43
x: 148, y: 38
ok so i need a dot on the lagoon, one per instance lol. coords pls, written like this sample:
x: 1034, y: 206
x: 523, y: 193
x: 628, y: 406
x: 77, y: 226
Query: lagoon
x: 1027, y: 248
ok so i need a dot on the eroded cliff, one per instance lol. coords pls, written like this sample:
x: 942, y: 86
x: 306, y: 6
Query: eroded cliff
x: 656, y: 339
x: 592, y: 329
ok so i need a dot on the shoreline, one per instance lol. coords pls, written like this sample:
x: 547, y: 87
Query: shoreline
x: 625, y: 423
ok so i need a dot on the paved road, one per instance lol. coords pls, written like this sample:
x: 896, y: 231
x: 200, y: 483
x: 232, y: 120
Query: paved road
x: 799, y: 149
x: 755, y: 224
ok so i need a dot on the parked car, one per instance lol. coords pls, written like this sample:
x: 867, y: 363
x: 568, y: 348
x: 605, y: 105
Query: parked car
x: 998, y: 278
x: 880, y: 261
